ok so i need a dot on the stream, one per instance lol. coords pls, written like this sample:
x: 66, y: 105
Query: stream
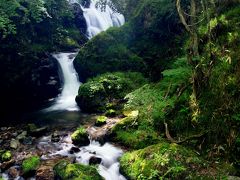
x: 64, y: 116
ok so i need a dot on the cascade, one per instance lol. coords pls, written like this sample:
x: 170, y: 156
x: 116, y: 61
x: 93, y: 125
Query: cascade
x: 97, y: 21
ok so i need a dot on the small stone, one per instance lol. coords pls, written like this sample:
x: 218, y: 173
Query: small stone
x: 13, y: 172
x: 7, y: 165
x: 3, y: 128
x: 15, y: 134
x: 14, y: 143
x: 55, y: 137
x: 95, y: 160
x: 74, y: 150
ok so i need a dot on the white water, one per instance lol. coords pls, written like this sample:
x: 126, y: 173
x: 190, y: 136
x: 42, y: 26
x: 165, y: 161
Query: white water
x: 97, y: 21
x: 108, y: 168
x: 66, y: 100
x: 100, y: 20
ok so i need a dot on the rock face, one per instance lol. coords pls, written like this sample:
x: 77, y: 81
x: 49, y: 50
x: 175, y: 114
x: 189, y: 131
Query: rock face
x: 79, y: 18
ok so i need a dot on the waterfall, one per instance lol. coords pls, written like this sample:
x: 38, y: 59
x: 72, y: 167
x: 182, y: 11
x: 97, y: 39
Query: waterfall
x: 97, y: 21
x: 66, y: 100
x: 100, y: 20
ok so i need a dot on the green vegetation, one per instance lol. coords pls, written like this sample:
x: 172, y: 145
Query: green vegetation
x: 80, y: 137
x: 65, y: 170
x: 29, y: 32
x: 98, y: 93
x: 101, y: 120
x: 30, y: 165
x: 143, y: 44
x: 6, y: 156
x: 170, y: 75
x: 168, y: 161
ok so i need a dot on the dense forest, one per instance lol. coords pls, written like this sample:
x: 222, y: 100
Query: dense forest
x: 159, y: 96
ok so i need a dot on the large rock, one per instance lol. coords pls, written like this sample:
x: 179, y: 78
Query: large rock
x: 80, y: 137
x: 97, y: 93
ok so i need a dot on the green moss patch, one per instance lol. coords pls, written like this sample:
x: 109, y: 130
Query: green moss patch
x: 65, y: 171
x: 30, y: 165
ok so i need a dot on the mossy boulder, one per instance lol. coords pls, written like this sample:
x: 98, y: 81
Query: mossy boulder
x: 6, y: 156
x: 96, y: 94
x: 101, y: 120
x: 65, y: 170
x: 30, y: 165
x: 164, y: 160
x: 80, y: 137
x: 111, y: 113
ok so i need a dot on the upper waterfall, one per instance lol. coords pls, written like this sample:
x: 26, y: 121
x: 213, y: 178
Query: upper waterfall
x: 99, y: 20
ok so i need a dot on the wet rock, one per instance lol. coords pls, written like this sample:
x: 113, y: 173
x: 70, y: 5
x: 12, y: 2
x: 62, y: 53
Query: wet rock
x: 14, y: 143
x: 101, y: 120
x: 13, y: 172
x: 55, y: 137
x: 39, y: 131
x: 95, y: 160
x: 22, y: 135
x: 74, y: 150
x: 3, y: 128
x: 15, y: 134
x: 7, y: 165
x: 45, y: 173
x: 28, y: 140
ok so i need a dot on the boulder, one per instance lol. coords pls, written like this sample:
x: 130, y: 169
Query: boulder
x: 95, y: 160
x: 74, y: 150
x: 80, y: 137
x: 101, y: 120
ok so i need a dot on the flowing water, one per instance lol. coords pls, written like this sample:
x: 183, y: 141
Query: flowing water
x: 66, y: 100
x: 99, y: 20
x: 65, y: 109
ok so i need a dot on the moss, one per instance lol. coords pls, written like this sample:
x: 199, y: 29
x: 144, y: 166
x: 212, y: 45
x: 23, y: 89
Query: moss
x: 30, y: 165
x: 101, y: 120
x: 80, y: 137
x: 162, y: 160
x: 110, y: 113
x: 6, y: 156
x: 99, y: 92
x: 65, y: 171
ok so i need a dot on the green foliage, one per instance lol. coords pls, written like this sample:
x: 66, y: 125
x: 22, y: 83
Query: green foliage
x: 156, y: 104
x: 30, y: 164
x: 65, y: 170
x: 146, y: 43
x: 97, y: 93
x: 161, y: 161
